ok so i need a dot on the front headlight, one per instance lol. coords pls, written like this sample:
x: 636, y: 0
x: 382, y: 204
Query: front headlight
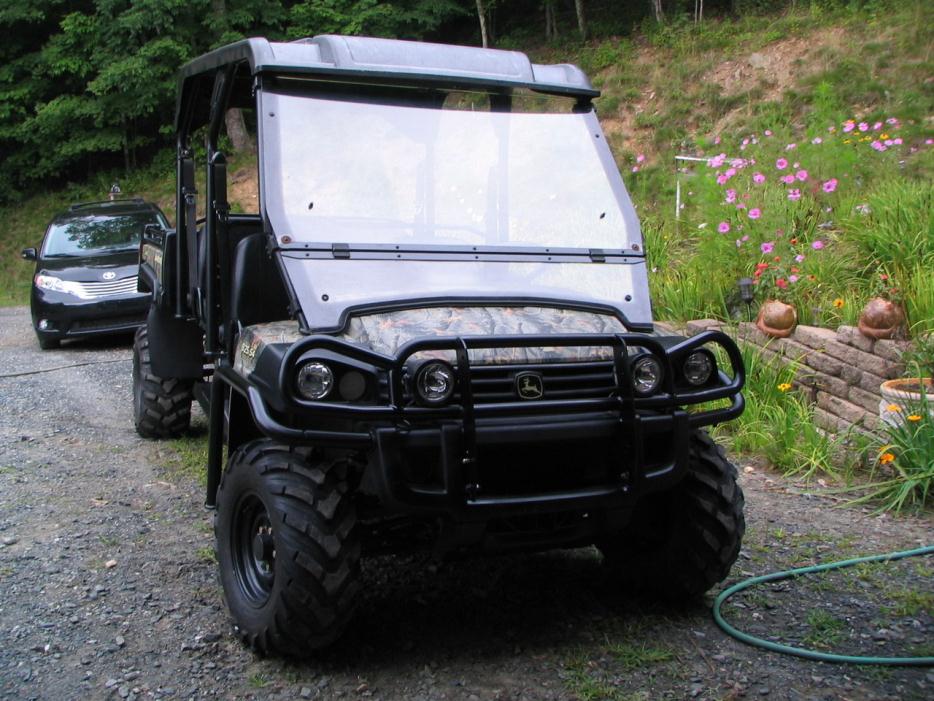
x: 314, y: 380
x: 697, y: 368
x: 434, y: 382
x: 646, y: 375
x: 50, y: 282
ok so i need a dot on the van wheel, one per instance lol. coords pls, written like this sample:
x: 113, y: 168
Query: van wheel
x: 161, y: 406
x: 288, y: 548
x: 683, y: 541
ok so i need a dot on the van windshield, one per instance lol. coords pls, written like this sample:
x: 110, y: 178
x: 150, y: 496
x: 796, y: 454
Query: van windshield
x: 338, y: 168
x: 97, y: 234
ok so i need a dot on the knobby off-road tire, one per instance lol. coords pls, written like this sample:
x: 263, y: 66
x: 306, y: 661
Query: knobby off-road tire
x: 683, y: 541
x: 161, y: 405
x: 288, y: 548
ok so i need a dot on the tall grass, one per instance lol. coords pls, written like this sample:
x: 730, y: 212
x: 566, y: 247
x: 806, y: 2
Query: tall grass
x: 778, y: 423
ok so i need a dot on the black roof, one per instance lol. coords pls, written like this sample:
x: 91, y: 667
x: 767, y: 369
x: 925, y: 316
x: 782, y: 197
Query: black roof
x: 392, y: 60
x: 104, y: 207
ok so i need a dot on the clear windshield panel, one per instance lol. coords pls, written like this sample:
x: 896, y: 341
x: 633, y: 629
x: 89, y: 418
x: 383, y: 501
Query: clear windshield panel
x: 328, y: 287
x: 96, y: 234
x: 337, y: 170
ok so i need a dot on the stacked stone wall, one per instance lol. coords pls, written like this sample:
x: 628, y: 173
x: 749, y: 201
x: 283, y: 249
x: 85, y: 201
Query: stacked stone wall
x: 839, y: 371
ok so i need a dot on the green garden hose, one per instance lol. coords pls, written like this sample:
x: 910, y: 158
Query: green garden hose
x: 813, y: 654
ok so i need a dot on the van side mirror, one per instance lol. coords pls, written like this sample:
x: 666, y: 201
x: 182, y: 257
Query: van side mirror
x: 30, y: 254
x: 154, y: 233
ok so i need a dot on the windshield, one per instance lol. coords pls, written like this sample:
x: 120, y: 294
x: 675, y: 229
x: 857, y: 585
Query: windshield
x: 340, y: 169
x: 96, y: 234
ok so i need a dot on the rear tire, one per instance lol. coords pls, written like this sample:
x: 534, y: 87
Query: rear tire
x: 161, y: 406
x: 682, y: 542
x: 288, y: 548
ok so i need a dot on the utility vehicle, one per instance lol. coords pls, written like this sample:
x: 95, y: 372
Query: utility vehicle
x: 433, y: 333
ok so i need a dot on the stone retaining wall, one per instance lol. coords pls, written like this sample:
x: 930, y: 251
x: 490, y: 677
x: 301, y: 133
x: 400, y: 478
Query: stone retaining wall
x: 839, y: 371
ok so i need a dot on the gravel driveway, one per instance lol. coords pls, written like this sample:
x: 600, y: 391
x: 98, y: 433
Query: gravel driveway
x: 108, y: 588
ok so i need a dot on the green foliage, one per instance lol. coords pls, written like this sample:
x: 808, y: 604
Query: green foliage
x: 778, y: 423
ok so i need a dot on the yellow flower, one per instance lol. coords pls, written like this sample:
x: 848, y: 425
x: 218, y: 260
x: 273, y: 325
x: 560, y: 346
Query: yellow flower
x: 893, y: 407
x: 886, y: 458
x: 838, y: 303
x: 883, y: 136
x: 784, y: 387
x: 847, y: 141
x: 913, y: 417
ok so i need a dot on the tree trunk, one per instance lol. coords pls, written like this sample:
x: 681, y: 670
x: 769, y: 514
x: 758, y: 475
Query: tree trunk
x: 236, y: 130
x: 551, y: 25
x: 581, y: 22
x: 658, y: 10
x: 481, y: 14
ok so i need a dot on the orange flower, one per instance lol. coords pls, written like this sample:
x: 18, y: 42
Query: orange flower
x: 838, y: 303
x: 893, y: 407
x: 913, y: 417
x: 784, y: 387
x: 886, y: 458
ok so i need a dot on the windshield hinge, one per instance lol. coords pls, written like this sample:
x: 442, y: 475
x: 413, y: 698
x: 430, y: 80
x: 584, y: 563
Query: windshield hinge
x: 597, y: 255
x: 340, y: 250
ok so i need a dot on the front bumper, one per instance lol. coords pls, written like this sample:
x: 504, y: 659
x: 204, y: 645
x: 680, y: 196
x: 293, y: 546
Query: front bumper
x: 67, y: 317
x: 451, y: 460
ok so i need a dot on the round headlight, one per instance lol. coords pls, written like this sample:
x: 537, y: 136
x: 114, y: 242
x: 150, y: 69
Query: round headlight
x: 434, y: 382
x: 315, y: 380
x: 697, y: 368
x: 646, y: 375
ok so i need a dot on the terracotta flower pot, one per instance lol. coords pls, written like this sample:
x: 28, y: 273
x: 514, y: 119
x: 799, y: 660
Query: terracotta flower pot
x: 881, y: 318
x: 776, y: 319
x: 903, y: 396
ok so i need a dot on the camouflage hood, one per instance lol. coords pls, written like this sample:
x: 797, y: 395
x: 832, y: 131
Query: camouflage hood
x: 387, y: 332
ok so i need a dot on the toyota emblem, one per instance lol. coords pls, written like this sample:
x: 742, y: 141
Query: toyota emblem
x: 110, y: 275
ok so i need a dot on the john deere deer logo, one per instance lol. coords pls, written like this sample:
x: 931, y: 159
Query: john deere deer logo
x: 529, y: 385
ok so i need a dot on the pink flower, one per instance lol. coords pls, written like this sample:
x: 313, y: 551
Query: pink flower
x: 722, y: 179
x: 730, y: 172
x: 755, y: 213
x: 892, y: 120
x: 879, y: 146
x: 640, y: 158
x: 730, y: 196
x: 829, y: 185
x: 802, y: 175
x: 863, y: 126
x: 635, y: 169
x: 740, y: 205
x: 877, y: 126
x: 794, y: 195
x: 768, y: 132
x: 799, y: 258
x: 745, y: 142
x: 848, y: 126
x: 758, y: 178
x: 781, y: 164
x: 716, y: 161
x: 928, y: 142
x: 817, y: 245
x: 888, y: 142
x: 817, y: 140
x: 792, y: 278
x: 723, y: 227
x: 746, y: 237
x: 791, y: 147
x: 897, y: 141
x: 738, y: 163
x: 767, y: 247
x: 716, y: 140
x: 787, y: 179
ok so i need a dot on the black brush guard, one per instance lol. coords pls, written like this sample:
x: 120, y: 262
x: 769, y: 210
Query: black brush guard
x: 457, y: 430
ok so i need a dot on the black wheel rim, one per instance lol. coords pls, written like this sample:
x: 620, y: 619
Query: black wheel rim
x: 253, y: 549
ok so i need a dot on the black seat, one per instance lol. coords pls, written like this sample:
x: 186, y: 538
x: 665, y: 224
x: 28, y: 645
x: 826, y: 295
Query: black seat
x: 257, y: 292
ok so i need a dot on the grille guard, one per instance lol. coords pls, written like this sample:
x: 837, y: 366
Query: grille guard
x: 623, y: 400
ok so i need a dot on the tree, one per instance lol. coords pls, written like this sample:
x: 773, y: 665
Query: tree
x: 581, y: 22
x: 658, y: 10
x: 482, y: 16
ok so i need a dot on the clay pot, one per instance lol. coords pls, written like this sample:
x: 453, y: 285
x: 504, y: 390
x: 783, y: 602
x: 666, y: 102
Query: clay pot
x: 881, y: 318
x: 776, y: 319
x: 903, y: 396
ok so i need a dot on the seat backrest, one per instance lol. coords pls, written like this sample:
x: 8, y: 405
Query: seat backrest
x: 257, y: 291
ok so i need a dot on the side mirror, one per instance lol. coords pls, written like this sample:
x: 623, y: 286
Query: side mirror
x: 30, y: 254
x: 153, y: 233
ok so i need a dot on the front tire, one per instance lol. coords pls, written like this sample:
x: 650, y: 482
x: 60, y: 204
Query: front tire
x: 683, y: 541
x: 161, y: 405
x: 288, y: 548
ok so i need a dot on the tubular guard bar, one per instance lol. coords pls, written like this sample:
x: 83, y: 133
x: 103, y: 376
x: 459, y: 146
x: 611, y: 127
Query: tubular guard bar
x: 623, y: 400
